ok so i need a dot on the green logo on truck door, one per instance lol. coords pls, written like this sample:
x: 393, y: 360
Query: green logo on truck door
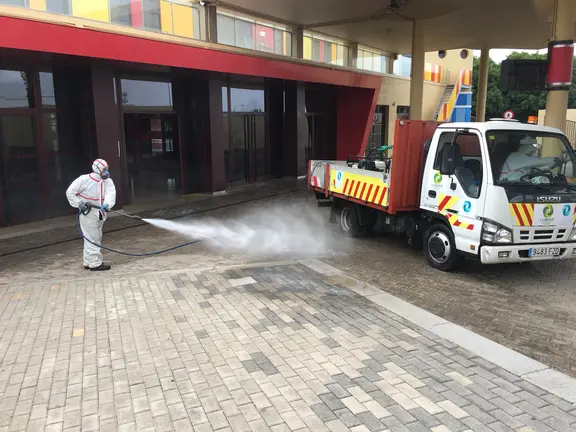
x: 548, y: 211
x: 437, y: 178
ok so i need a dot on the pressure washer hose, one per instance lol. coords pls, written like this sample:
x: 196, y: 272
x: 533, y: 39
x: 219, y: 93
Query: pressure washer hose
x: 128, y: 253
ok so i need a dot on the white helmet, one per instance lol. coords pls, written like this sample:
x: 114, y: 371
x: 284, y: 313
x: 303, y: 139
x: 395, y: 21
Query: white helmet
x: 100, y: 167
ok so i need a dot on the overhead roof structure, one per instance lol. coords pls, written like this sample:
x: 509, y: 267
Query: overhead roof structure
x: 387, y: 24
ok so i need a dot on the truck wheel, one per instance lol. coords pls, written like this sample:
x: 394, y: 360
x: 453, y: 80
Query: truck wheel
x: 348, y: 219
x: 441, y: 249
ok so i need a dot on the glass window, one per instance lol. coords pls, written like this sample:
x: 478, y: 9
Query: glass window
x: 21, y: 3
x: 385, y: 64
x: 225, y: 99
x: 288, y: 49
x: 340, y: 56
x: 120, y: 12
x: 151, y: 14
x: 377, y: 63
x: 147, y: 94
x: 18, y: 148
x: 225, y: 30
x: 19, y: 168
x: 316, y: 49
x: 530, y: 158
x: 47, y: 89
x: 402, y: 112
x: 196, y: 20
x: 52, y: 146
x: 307, y: 48
x: 368, y: 58
x: 247, y: 100
x: 279, y: 42
x: 15, y: 90
x: 403, y: 65
x: 328, y: 52
x: 264, y: 38
x: 468, y: 160
x: 377, y: 136
x: 58, y: 6
x: 244, y: 33
x: 360, y: 59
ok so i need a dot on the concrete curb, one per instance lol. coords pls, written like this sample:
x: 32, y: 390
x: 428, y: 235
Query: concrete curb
x: 537, y: 373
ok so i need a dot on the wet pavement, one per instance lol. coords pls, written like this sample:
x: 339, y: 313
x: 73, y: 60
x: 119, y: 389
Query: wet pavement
x: 216, y: 339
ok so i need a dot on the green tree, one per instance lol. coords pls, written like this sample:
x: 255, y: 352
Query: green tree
x: 523, y: 103
x: 494, y: 98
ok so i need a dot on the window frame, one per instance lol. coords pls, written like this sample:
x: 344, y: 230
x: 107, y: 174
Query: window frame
x: 453, y: 141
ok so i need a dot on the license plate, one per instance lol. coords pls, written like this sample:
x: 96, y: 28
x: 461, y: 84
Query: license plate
x: 544, y: 251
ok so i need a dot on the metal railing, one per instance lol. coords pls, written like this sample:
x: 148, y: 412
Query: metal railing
x: 571, y: 132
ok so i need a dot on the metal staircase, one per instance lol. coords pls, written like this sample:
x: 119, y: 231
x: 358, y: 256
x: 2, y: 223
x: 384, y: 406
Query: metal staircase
x: 444, y: 99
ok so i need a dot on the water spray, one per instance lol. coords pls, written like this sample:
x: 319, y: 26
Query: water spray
x: 132, y: 254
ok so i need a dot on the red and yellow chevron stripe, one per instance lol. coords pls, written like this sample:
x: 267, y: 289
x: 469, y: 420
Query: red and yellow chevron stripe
x: 523, y: 213
x: 446, y: 202
x: 454, y: 221
x: 362, y: 187
x: 365, y: 191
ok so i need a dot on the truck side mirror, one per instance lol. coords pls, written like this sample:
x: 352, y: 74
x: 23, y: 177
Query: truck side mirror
x: 448, y: 161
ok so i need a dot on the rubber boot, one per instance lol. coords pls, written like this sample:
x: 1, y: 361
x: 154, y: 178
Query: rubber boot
x: 101, y: 267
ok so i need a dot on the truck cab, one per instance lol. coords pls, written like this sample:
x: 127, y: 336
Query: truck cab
x: 501, y: 191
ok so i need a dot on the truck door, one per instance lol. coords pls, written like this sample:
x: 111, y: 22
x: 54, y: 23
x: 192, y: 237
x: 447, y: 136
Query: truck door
x: 460, y: 198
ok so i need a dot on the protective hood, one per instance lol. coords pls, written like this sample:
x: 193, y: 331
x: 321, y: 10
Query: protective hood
x: 100, y: 168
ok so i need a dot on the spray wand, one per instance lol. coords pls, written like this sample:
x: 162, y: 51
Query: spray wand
x: 90, y: 207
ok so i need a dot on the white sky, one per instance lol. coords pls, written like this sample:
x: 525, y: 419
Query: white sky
x: 500, y: 54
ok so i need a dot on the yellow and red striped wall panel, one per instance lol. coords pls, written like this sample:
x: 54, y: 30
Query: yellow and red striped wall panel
x: 433, y: 72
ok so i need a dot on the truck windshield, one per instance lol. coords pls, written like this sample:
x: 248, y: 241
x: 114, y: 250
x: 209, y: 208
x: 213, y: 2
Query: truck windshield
x: 527, y: 157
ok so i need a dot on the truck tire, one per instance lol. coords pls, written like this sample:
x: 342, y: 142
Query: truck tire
x: 349, y: 221
x: 440, y: 248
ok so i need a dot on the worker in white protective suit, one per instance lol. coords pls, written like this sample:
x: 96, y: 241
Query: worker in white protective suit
x: 94, y: 195
x: 522, y: 162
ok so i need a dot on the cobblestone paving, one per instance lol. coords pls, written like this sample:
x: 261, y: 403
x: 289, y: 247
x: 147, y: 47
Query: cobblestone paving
x: 268, y: 347
x: 529, y: 308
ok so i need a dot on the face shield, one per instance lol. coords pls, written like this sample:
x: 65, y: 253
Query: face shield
x: 100, y: 167
x: 528, y: 146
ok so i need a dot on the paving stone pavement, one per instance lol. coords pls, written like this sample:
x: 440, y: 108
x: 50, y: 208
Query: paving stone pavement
x: 275, y: 347
x: 530, y: 308
x: 56, y: 320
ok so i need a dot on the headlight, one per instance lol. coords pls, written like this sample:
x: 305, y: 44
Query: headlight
x: 503, y: 236
x: 573, y: 234
x: 493, y: 232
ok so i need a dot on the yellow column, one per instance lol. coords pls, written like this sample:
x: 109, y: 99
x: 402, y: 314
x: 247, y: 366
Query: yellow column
x: 417, y: 73
x: 557, y: 100
x: 482, y: 86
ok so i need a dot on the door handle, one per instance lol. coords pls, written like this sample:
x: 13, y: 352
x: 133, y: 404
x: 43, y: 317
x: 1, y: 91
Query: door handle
x: 432, y: 194
x: 452, y: 211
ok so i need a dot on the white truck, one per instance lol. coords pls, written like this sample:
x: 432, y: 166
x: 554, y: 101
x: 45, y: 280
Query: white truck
x: 499, y: 191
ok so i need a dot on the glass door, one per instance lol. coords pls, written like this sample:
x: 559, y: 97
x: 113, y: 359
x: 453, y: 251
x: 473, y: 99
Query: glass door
x: 239, y: 139
x: 248, y: 147
x: 258, y: 155
x: 20, y: 170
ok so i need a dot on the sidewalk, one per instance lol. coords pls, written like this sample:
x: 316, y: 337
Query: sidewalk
x: 64, y: 229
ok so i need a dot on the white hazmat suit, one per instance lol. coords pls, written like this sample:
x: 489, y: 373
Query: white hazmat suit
x: 520, y: 163
x: 98, y: 190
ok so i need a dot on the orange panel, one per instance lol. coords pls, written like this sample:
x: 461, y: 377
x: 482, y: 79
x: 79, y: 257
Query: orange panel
x: 409, y: 138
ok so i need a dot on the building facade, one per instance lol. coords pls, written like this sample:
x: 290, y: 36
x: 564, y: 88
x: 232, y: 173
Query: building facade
x: 179, y: 98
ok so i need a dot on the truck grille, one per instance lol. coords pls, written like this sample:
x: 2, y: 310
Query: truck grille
x: 539, y: 235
